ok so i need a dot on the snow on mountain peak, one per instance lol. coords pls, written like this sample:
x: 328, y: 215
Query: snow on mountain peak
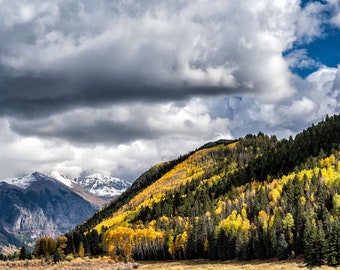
x: 96, y: 184
x: 103, y: 186
x: 25, y: 181
x: 21, y: 182
x: 61, y: 178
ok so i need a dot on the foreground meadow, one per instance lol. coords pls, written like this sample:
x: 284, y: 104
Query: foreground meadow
x: 92, y: 264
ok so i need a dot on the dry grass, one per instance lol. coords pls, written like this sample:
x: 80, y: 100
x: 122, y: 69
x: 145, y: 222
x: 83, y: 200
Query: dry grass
x: 76, y: 264
x: 92, y: 264
x: 230, y: 265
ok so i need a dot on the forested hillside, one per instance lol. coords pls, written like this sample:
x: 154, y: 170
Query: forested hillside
x: 253, y: 198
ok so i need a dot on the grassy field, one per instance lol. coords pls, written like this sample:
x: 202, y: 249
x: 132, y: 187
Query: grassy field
x: 232, y: 265
x: 89, y: 264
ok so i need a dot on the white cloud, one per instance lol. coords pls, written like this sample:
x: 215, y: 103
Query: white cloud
x: 299, y: 59
x: 108, y: 59
x: 303, y: 107
x: 336, y: 85
x: 323, y: 79
x: 318, y: 96
x: 336, y: 20
x: 310, y: 21
x: 22, y: 12
x: 21, y: 155
x: 162, y: 132
x: 335, y: 9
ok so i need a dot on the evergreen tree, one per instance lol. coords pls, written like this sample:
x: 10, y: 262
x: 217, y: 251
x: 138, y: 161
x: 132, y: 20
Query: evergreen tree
x: 23, y: 253
x: 282, y: 250
x: 93, y: 239
x: 333, y: 245
x: 222, y: 245
x: 314, y: 244
x: 241, y: 246
x: 258, y: 247
x: 57, y: 256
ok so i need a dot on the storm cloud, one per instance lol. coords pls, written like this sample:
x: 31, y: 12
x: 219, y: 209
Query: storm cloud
x: 69, y: 54
x: 116, y: 86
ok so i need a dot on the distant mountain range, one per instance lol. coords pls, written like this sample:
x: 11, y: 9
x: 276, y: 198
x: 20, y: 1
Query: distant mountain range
x: 38, y: 205
x: 105, y: 187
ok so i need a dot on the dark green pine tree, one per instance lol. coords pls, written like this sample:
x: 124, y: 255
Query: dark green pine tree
x: 196, y: 240
x: 222, y: 245
x: 57, y: 257
x: 70, y: 244
x: 93, y: 241
x: 314, y: 244
x: 282, y: 250
x: 23, y: 253
x: 333, y: 245
x: 258, y: 247
x: 300, y: 219
x: 241, y: 246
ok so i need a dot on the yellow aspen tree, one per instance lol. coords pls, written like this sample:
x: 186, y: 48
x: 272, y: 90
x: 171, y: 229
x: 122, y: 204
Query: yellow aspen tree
x: 172, y: 246
x: 206, y: 245
x: 61, y: 244
x: 288, y: 225
x: 184, y: 242
x: 81, y: 251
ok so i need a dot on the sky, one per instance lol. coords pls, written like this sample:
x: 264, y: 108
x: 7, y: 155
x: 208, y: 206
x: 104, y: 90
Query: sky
x: 117, y: 86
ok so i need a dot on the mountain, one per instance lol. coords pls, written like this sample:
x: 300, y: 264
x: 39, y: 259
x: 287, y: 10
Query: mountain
x: 103, y: 186
x: 95, y: 200
x: 38, y: 205
x: 255, y: 197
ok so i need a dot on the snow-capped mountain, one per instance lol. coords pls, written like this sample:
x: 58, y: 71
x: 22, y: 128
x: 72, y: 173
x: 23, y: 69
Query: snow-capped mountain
x: 94, y: 199
x: 21, y: 182
x: 106, y: 187
x: 38, y: 205
x: 62, y: 178
x: 103, y: 186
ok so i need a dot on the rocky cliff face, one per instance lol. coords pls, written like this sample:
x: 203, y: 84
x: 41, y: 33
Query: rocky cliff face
x: 42, y: 206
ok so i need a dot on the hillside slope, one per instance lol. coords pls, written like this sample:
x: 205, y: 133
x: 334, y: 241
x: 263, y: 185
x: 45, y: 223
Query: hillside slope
x: 257, y: 197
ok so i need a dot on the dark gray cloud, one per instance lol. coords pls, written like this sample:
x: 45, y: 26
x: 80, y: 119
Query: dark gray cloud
x: 117, y: 86
x: 78, y: 132
x: 28, y: 97
x: 62, y: 55
x: 121, y: 124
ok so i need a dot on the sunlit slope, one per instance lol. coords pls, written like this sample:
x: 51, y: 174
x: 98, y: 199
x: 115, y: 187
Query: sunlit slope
x: 195, y: 168
x: 254, y: 198
x: 257, y: 220
x: 144, y: 181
